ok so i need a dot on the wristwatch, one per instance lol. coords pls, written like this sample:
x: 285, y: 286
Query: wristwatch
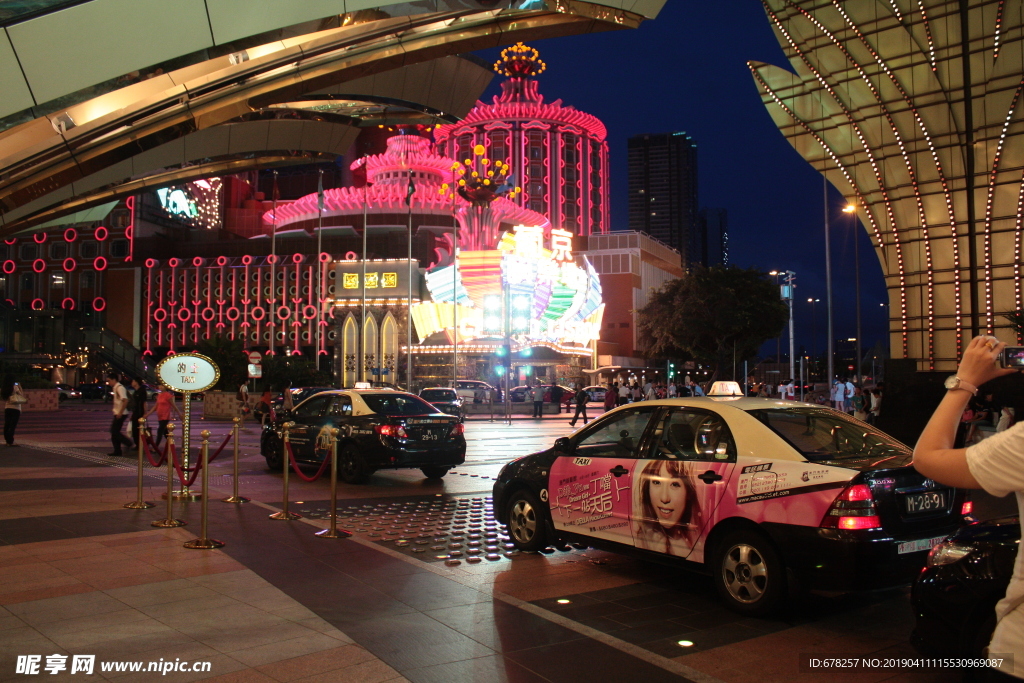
x: 953, y: 382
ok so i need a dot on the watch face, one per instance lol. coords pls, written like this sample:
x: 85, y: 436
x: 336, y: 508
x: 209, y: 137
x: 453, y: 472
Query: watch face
x: 952, y: 382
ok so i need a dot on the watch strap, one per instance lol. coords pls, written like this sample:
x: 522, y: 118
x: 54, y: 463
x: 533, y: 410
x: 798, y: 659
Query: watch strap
x: 961, y: 384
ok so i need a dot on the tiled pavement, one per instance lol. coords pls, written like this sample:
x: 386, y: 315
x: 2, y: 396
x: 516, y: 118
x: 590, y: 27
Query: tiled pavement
x: 85, y: 576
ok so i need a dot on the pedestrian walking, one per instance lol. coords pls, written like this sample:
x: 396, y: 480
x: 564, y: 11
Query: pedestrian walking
x: 995, y: 464
x: 611, y: 396
x: 163, y: 408
x: 534, y: 394
x: 120, y: 415
x: 262, y: 411
x: 638, y: 394
x: 859, y: 402
x: 838, y: 393
x: 848, y: 391
x: 243, y: 400
x: 624, y: 393
x: 14, y: 398
x: 139, y: 399
x: 581, y: 399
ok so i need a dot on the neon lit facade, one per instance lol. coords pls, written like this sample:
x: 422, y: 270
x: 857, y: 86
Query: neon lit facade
x: 559, y: 155
x: 529, y: 288
x: 876, y: 104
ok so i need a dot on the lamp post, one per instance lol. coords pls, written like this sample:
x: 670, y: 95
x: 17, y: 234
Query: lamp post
x: 828, y: 288
x: 852, y: 210
x: 814, y: 327
x: 778, y: 340
x: 787, y: 294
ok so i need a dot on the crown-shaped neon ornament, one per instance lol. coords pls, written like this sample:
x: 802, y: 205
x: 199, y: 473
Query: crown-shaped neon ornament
x: 520, y: 61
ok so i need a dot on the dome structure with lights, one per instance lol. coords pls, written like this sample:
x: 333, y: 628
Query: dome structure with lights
x: 558, y: 155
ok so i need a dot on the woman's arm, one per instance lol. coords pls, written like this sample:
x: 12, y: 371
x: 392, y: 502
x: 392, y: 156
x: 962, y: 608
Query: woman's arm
x: 934, y: 455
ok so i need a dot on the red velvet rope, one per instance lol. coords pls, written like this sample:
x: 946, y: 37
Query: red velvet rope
x: 150, y: 446
x: 295, y: 465
x: 194, y: 471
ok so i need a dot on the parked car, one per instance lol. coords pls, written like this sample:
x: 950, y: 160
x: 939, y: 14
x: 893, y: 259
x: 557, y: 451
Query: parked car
x: 468, y: 388
x: 518, y: 394
x: 446, y: 400
x: 95, y: 392
x: 66, y: 391
x: 381, y: 429
x: 596, y: 393
x: 746, y: 489
x: 955, y: 596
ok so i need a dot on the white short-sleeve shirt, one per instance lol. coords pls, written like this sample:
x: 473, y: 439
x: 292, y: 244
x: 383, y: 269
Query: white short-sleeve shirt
x: 997, y: 463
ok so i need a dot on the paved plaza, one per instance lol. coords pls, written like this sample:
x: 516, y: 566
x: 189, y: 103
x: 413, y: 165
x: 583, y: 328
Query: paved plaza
x: 426, y: 589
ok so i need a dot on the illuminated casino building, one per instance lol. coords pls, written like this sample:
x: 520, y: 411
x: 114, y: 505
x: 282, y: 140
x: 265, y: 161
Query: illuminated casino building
x: 558, y: 154
x: 873, y: 97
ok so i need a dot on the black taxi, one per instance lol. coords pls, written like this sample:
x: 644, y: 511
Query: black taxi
x: 380, y: 429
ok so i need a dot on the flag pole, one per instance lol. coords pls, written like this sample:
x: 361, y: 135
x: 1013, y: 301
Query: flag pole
x: 361, y: 368
x: 455, y: 292
x: 408, y: 350
x: 319, y: 266
x: 273, y: 254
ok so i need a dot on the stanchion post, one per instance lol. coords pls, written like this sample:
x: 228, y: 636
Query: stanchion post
x: 333, y: 532
x: 186, y: 440
x: 138, y: 503
x: 234, y: 497
x: 204, y: 542
x: 285, y: 445
x: 169, y: 522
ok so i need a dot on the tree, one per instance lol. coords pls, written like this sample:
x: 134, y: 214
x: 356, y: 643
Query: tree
x: 229, y: 356
x: 713, y: 314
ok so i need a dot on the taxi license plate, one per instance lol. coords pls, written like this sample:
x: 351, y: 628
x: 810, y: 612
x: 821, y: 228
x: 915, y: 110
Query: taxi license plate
x: 918, y: 546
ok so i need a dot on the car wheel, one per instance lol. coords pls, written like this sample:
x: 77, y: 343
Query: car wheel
x: 525, y: 522
x: 749, y: 574
x: 351, y: 467
x: 434, y: 471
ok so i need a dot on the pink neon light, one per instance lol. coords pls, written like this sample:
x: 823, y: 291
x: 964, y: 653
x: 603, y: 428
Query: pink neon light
x: 101, y: 233
x: 99, y: 304
x: 70, y: 235
x: 129, y: 231
x: 247, y: 260
x: 39, y: 265
x: 152, y: 263
x: 184, y: 314
x: 222, y: 260
x: 37, y: 304
x: 298, y: 258
x: 100, y: 263
x: 39, y: 237
x: 10, y: 267
x: 257, y: 309
x: 159, y: 315
x: 174, y: 262
x: 325, y: 257
x: 69, y: 264
x: 284, y: 312
x: 68, y: 304
x: 351, y: 256
x: 13, y: 241
x: 198, y: 261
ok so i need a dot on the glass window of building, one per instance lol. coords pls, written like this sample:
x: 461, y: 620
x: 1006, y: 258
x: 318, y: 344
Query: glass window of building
x: 27, y: 252
x: 57, y: 280
x: 89, y: 249
x: 119, y: 248
x: 27, y: 281
x: 88, y: 279
x: 59, y: 250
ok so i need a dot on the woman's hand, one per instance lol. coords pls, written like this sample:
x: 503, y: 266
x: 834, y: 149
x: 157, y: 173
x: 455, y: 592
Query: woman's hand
x: 981, y: 361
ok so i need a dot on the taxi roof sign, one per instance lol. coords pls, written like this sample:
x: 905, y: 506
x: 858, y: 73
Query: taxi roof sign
x: 725, y: 389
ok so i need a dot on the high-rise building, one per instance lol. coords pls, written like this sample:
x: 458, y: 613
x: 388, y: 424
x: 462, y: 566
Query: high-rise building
x: 714, y: 235
x: 558, y: 154
x: 663, y: 191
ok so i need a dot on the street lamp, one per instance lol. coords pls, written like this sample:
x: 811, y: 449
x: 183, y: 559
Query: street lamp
x: 778, y: 340
x: 814, y: 326
x: 852, y: 210
x: 787, y: 294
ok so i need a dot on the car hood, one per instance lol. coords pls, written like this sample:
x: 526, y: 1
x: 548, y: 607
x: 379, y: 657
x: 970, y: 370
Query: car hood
x: 1002, y: 531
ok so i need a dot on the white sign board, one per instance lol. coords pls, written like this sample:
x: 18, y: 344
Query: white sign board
x: 255, y: 357
x: 255, y: 371
x: 187, y: 372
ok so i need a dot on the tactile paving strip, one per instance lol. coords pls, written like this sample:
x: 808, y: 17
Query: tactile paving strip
x: 439, y: 528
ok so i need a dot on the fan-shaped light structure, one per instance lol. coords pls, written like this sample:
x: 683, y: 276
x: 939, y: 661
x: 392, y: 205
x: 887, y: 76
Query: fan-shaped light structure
x: 912, y: 109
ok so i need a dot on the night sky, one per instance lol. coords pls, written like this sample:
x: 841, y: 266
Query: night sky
x: 687, y: 71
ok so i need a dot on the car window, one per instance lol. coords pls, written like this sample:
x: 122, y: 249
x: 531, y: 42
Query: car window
x: 314, y: 407
x: 437, y: 395
x: 827, y: 436
x: 616, y: 436
x: 341, y: 406
x: 398, y: 404
x: 688, y: 434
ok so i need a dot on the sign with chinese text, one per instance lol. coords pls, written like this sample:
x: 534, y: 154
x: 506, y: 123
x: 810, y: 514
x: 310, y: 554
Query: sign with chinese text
x: 382, y: 279
x: 187, y: 372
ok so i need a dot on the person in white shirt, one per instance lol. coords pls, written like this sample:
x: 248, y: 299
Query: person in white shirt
x: 790, y: 391
x: 848, y: 391
x: 995, y: 464
x: 120, y: 415
x: 672, y: 390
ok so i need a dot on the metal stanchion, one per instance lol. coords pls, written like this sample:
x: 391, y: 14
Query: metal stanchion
x: 284, y: 514
x: 138, y: 503
x: 186, y: 441
x: 204, y: 542
x: 234, y: 497
x: 170, y: 521
x: 333, y: 532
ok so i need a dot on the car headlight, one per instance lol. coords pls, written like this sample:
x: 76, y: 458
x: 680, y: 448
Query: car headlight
x: 948, y: 552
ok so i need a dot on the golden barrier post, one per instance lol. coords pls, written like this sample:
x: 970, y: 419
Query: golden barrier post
x: 170, y: 521
x: 138, y: 503
x: 333, y: 532
x: 234, y: 497
x: 204, y: 542
x: 286, y: 443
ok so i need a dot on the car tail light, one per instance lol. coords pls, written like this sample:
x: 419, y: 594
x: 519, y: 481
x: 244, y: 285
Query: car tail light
x: 967, y: 508
x: 458, y: 430
x: 854, y: 508
x: 397, y: 431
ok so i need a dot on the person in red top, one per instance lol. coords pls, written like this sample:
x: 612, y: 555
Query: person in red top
x: 163, y: 409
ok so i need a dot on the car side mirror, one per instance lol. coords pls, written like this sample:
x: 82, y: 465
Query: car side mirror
x: 563, y: 444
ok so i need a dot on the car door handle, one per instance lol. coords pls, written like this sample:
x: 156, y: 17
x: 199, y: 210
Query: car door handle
x: 619, y: 470
x: 710, y: 477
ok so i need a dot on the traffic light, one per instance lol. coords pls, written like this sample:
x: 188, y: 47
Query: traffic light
x: 671, y: 369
